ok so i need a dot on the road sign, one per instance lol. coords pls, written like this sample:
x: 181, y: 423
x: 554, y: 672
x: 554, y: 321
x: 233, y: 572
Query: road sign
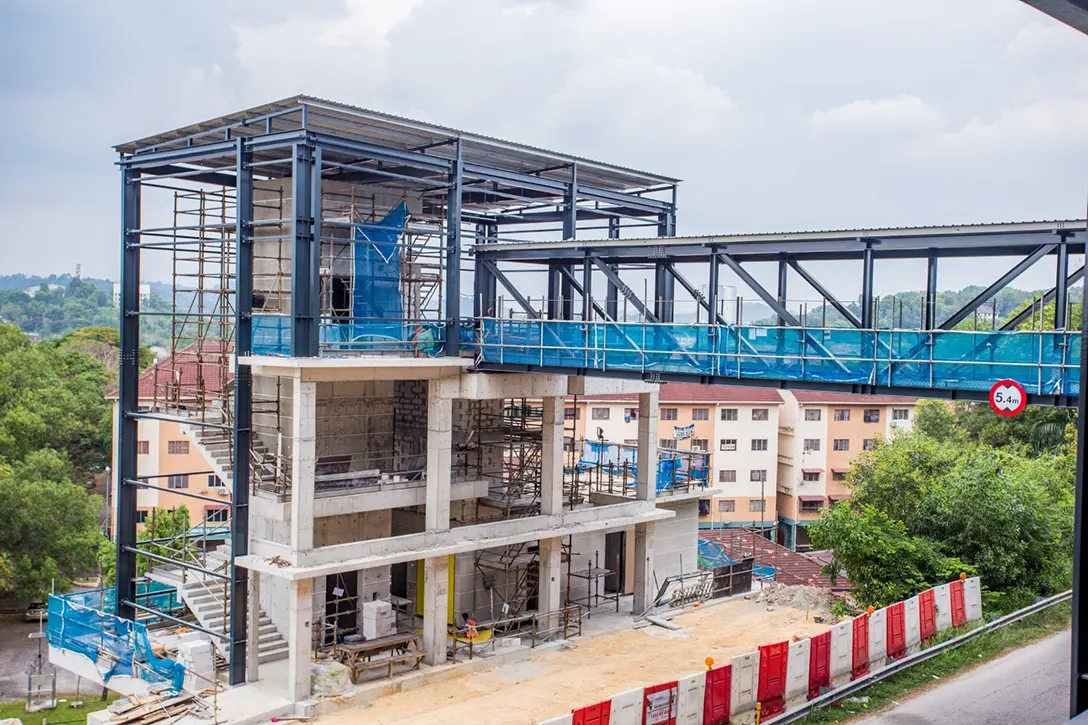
x: 1007, y: 397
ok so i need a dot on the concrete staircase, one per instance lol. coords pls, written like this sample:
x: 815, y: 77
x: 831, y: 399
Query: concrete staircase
x: 204, y: 595
x: 216, y: 445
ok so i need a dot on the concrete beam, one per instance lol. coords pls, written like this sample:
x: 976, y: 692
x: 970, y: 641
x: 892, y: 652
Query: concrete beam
x: 323, y: 369
x: 493, y: 386
x: 439, y: 458
x: 303, y: 463
x: 608, y: 386
x: 663, y: 499
x: 436, y: 593
x: 377, y: 498
x: 646, y: 481
x: 299, y: 639
x: 551, y: 457
x: 412, y: 547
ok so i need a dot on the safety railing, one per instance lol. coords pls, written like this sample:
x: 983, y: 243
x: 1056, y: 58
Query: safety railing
x: 1044, y: 362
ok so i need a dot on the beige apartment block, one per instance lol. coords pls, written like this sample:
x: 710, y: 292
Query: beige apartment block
x: 820, y: 434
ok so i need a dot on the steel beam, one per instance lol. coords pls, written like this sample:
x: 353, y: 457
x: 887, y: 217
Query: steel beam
x: 1060, y: 285
x: 581, y: 290
x: 1027, y: 312
x: 984, y: 296
x: 823, y: 292
x: 243, y: 413
x: 714, y: 317
x: 770, y: 300
x: 128, y: 392
x: 495, y: 272
x: 453, y: 255
x: 305, y: 258
x: 625, y: 290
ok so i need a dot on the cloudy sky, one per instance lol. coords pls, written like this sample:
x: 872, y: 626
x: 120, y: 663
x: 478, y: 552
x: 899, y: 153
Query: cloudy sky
x: 778, y: 114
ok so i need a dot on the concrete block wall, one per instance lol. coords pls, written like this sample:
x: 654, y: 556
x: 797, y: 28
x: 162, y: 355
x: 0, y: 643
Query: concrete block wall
x: 477, y: 431
x: 267, y: 389
x: 676, y: 540
x: 356, y: 418
x: 410, y: 422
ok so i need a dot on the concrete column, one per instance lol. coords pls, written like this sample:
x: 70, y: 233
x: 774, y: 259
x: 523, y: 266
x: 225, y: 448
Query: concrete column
x: 299, y: 638
x: 436, y: 593
x: 644, y: 567
x: 253, y: 626
x: 551, y: 457
x: 303, y: 464
x: 646, y: 485
x: 551, y: 557
x: 439, y: 458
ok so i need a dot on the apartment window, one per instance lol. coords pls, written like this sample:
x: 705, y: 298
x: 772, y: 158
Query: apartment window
x: 757, y: 507
x: 141, y: 515
x: 181, y: 481
x: 761, y: 414
x: 667, y: 443
x: 810, y: 476
x: 900, y: 414
x: 700, y: 413
x: 841, y: 444
x: 838, y: 475
x: 217, y: 516
x: 143, y: 447
x: 727, y: 476
x: 700, y: 444
x: 630, y: 413
x: 601, y: 413
x: 812, y: 414
x: 178, y: 448
x: 811, y: 507
x: 759, y: 476
x: 668, y: 413
x: 812, y: 444
x: 868, y: 444
x: 214, y: 481
x: 872, y: 415
x: 759, y: 444
x: 572, y: 414
x: 729, y: 413
x: 727, y: 444
x: 727, y: 506
x: 842, y: 414
x: 568, y: 444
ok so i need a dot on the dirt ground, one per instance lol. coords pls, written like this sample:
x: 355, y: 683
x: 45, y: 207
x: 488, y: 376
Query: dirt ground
x: 594, y: 669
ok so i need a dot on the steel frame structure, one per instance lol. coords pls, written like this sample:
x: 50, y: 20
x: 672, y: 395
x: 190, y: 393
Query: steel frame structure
x: 469, y: 183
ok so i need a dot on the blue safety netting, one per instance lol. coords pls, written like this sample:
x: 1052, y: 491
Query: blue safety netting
x: 711, y: 556
x: 116, y: 646
x: 1044, y: 362
x: 674, y: 470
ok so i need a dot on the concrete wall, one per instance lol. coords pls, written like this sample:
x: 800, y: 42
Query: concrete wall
x: 356, y: 418
x: 676, y: 540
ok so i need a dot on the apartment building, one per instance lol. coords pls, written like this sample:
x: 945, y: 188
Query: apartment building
x: 737, y: 426
x: 170, y: 461
x: 819, y: 436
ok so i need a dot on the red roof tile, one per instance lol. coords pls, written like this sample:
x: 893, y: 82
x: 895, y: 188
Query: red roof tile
x: 183, y: 375
x: 790, y: 567
x: 816, y: 396
x: 695, y: 393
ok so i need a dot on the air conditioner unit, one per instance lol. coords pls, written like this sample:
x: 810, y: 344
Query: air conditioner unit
x: 898, y: 423
x: 222, y: 490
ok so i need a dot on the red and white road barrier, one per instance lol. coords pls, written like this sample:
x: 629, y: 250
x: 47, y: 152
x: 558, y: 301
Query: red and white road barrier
x: 756, y: 686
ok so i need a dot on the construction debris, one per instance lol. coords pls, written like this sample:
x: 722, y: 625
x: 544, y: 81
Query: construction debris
x: 134, y: 710
x: 806, y: 598
x: 666, y: 624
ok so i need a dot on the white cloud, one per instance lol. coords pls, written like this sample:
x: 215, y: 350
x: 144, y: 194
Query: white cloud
x: 902, y: 114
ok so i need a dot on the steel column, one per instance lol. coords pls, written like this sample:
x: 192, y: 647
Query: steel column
x: 1061, y: 296
x: 1078, y: 696
x: 712, y: 298
x: 612, y: 299
x: 867, y: 321
x: 929, y: 314
x: 587, y: 289
x: 495, y: 273
x: 453, y: 255
x: 128, y: 392
x: 783, y: 277
x: 243, y: 415
x: 305, y: 296
x: 625, y: 290
x: 664, y: 283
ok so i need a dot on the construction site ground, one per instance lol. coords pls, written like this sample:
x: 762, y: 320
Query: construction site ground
x: 590, y: 669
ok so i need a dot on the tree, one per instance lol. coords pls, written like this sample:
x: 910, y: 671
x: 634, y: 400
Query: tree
x: 48, y: 526
x: 161, y: 534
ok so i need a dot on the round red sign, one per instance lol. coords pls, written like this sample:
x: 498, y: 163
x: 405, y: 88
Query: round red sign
x: 1007, y: 397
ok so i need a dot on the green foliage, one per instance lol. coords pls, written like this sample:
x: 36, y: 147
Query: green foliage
x: 48, y: 525
x: 162, y: 534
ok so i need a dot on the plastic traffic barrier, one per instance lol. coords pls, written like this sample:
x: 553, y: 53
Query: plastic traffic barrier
x: 797, y: 663
x: 895, y: 639
x: 958, y: 607
x: 659, y: 704
x: 597, y: 714
x: 972, y: 598
x: 743, y: 690
x: 772, y: 678
x: 912, y: 630
x: 717, y: 697
x: 626, y: 708
x: 819, y: 664
x: 942, y: 606
x: 842, y: 652
x: 691, y: 695
x: 927, y: 614
x: 859, y: 660
x: 567, y: 719
x: 878, y: 638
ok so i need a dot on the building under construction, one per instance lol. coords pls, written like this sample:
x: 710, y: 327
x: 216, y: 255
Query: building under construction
x: 325, y: 322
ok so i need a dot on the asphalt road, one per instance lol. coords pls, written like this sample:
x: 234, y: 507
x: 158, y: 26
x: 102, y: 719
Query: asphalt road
x: 1030, y: 685
x: 19, y: 655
